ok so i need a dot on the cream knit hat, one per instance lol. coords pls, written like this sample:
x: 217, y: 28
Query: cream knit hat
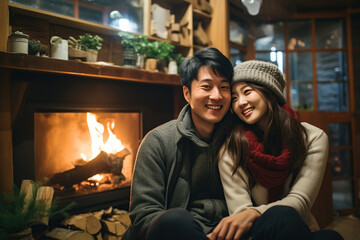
x: 263, y: 73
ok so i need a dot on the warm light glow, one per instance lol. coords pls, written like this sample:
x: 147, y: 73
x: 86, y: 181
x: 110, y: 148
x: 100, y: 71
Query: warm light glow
x: 96, y: 129
x: 83, y: 156
x: 97, y: 177
x: 253, y: 6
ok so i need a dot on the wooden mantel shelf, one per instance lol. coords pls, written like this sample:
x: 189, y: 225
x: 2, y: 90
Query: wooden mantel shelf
x: 68, y: 67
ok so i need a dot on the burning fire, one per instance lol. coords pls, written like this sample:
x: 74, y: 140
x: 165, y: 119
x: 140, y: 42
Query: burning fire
x: 111, y: 146
x: 96, y: 129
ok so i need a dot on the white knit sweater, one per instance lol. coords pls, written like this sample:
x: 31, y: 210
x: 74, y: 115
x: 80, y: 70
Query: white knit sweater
x: 301, y: 195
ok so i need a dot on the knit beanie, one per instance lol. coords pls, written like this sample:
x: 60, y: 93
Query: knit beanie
x: 263, y: 73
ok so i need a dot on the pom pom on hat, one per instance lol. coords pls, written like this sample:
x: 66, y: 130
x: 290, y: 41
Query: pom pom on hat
x: 262, y: 73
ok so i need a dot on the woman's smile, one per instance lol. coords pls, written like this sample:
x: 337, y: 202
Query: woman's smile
x: 248, y: 103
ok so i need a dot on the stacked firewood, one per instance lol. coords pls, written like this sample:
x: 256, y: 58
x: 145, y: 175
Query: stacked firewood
x: 109, y: 224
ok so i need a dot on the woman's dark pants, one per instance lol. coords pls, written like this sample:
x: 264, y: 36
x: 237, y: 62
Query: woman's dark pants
x: 277, y: 223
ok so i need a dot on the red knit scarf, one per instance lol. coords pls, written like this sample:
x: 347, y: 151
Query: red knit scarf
x: 269, y: 171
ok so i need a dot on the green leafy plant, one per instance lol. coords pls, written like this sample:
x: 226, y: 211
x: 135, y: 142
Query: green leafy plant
x: 159, y: 50
x: 33, y: 47
x: 18, y: 213
x: 178, y: 57
x: 151, y: 49
x: 138, y: 42
x: 89, y: 41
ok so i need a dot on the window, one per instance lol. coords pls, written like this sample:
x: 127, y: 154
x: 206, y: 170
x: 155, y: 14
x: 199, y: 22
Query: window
x: 316, y: 57
x: 126, y: 15
x: 238, y: 36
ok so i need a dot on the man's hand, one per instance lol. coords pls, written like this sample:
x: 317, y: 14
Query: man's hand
x: 233, y: 227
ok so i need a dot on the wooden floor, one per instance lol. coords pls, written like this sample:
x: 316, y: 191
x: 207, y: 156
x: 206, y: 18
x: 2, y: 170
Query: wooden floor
x: 347, y: 226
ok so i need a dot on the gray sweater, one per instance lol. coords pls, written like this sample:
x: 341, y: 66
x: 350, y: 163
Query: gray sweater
x: 173, y: 169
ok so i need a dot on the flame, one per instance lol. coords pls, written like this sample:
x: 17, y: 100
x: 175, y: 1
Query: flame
x: 96, y: 129
x: 97, y: 177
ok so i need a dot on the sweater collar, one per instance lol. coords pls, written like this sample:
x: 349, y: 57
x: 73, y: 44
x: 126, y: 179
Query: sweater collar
x: 186, y: 129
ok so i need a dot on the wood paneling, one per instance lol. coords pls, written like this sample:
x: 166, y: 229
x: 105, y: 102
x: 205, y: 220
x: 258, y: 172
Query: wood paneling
x: 6, y: 160
x: 219, y: 29
x: 4, y: 24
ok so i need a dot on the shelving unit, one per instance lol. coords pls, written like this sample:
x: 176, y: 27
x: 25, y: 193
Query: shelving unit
x: 214, y: 24
x: 54, y: 66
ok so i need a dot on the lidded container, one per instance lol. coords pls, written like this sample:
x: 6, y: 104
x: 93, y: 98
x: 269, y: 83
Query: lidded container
x: 18, y: 42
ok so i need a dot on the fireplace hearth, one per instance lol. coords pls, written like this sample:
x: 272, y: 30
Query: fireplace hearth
x: 52, y: 112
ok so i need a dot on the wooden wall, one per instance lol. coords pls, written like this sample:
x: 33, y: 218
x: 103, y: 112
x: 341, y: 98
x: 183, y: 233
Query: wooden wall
x: 6, y: 177
x: 6, y: 160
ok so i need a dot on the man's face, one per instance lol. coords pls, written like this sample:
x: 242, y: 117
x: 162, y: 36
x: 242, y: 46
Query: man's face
x: 209, y: 99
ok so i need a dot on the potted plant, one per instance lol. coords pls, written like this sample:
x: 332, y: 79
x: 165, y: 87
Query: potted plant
x: 157, y: 53
x: 154, y: 51
x: 91, y: 44
x: 175, y: 61
x: 134, y: 49
x: 22, y: 209
x: 34, y: 48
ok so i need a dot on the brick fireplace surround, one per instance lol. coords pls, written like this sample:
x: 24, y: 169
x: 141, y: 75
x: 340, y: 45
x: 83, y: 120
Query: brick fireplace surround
x: 36, y: 84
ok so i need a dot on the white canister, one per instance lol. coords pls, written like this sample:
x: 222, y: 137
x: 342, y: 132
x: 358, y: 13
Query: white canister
x: 18, y: 42
x: 59, y: 48
x: 172, y: 68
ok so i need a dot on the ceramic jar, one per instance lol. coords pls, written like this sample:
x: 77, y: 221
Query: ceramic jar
x: 18, y: 42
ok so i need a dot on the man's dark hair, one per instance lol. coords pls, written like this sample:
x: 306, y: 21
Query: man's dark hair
x: 211, y: 57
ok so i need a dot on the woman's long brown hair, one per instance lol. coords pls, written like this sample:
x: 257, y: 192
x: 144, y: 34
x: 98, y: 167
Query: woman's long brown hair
x: 281, y: 129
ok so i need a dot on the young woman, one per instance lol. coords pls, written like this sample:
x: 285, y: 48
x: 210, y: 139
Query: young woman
x: 271, y: 164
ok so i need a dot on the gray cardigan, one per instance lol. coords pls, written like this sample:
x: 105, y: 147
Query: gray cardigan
x: 162, y: 177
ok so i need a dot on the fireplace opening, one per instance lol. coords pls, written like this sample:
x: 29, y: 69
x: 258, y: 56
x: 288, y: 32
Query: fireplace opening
x: 84, y: 154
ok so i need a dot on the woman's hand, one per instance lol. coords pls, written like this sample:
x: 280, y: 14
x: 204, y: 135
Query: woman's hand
x: 233, y: 227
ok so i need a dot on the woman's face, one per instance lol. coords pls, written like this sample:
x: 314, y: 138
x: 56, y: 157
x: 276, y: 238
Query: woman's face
x: 249, y: 104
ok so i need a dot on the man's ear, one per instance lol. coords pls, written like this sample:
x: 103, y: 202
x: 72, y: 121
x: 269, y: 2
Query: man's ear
x: 186, y: 93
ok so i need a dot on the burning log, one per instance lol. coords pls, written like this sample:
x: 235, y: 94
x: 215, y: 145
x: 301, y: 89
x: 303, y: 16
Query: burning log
x: 102, y: 163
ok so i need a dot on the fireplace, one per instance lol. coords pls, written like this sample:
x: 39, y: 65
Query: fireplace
x: 66, y: 142
x: 51, y: 132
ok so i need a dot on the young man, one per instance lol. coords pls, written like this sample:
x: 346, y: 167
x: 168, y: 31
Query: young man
x: 176, y: 190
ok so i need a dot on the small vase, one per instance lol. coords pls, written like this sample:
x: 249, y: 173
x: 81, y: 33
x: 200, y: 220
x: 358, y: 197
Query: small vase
x: 172, y: 69
x: 151, y: 64
x: 140, y: 61
x: 24, y: 235
x: 91, y: 55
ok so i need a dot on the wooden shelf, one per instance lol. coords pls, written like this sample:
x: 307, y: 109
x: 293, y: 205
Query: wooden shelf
x: 63, y: 20
x: 68, y: 67
x: 201, y: 15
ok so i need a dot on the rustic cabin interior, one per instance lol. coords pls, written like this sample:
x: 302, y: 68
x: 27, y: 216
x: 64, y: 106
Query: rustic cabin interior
x: 55, y: 97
